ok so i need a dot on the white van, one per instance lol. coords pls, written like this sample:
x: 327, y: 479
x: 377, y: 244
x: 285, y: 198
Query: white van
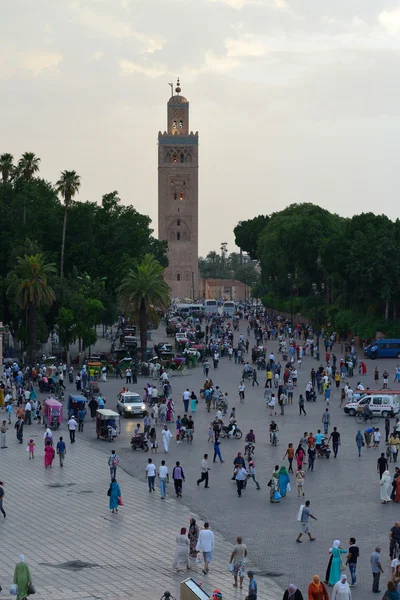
x: 382, y: 405
x: 210, y: 307
x: 229, y: 308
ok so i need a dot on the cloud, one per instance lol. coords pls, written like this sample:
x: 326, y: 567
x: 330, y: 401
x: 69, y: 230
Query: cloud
x: 127, y: 67
x: 35, y: 62
x: 238, y: 4
x: 390, y: 19
x: 219, y: 64
x: 247, y: 46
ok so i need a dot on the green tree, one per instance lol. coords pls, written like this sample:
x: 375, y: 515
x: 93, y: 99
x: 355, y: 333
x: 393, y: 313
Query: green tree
x: 247, y: 234
x: 66, y: 329
x: 32, y: 291
x: 143, y: 293
x: 6, y: 167
x: 68, y: 185
x: 28, y: 165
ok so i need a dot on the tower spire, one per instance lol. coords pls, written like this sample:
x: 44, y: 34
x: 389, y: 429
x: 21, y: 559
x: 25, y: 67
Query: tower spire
x: 178, y: 86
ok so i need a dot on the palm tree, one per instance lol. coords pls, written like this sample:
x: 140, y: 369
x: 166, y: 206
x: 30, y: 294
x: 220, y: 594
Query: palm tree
x: 68, y: 185
x: 32, y: 291
x: 142, y: 293
x: 28, y: 165
x: 6, y: 166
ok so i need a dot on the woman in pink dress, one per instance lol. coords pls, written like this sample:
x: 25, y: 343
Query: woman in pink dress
x: 48, y: 455
x: 170, y: 410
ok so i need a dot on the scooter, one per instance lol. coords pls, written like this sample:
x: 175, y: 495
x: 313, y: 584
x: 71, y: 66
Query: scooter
x: 140, y: 442
x: 324, y: 451
x: 229, y: 431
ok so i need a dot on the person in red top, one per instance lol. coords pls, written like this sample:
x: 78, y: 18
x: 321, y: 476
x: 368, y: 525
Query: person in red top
x: 328, y: 357
x: 311, y: 440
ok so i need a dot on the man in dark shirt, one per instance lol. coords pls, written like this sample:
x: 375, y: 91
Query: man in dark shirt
x: 382, y: 464
x: 335, y: 436
x: 394, y: 536
x: 352, y: 557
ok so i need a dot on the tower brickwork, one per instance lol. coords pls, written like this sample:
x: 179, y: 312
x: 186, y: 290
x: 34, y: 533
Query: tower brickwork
x: 178, y: 198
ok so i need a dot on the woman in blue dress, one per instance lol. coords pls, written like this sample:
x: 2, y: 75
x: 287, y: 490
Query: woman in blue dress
x: 284, y: 479
x: 337, y: 551
x: 115, y: 493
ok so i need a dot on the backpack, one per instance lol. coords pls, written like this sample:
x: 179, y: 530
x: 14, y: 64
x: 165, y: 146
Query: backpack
x: 109, y: 491
x: 115, y: 462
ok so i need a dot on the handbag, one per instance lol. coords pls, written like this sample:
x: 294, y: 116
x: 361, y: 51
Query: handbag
x: 231, y: 568
x: 120, y: 501
x: 288, y: 487
x: 109, y: 491
x: 13, y: 589
x: 31, y: 588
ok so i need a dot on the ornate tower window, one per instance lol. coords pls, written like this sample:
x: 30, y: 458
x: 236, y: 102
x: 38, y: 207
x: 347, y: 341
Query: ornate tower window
x: 174, y: 157
x: 182, y: 157
x: 178, y: 276
x: 178, y: 222
x: 178, y: 236
x: 181, y: 124
x: 174, y: 124
x: 181, y: 196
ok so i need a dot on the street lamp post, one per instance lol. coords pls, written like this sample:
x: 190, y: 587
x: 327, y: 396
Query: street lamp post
x: 273, y: 281
x: 319, y: 293
x: 292, y: 283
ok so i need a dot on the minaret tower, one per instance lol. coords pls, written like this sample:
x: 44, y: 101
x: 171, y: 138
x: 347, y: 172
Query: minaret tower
x: 178, y: 197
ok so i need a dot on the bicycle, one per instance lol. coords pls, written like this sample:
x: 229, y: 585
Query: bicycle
x: 361, y: 418
x: 394, y: 549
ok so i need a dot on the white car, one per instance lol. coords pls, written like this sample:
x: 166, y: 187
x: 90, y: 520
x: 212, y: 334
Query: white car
x: 130, y: 404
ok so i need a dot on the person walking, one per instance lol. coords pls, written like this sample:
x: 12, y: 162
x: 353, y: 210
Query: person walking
x: 2, y: 494
x: 252, y: 586
x: 382, y: 465
x: 193, y: 536
x: 376, y: 568
x: 186, y: 398
x: 284, y: 481
x: 163, y: 476
x: 351, y: 562
x: 81, y: 418
x: 205, y: 544
x: 385, y: 485
x: 4, y: 430
x: 61, y: 451
x: 181, y: 557
x: 334, y: 573
x: 237, y: 560
x: 151, y: 474
x: 22, y: 578
x: 359, y: 442
x: 252, y: 474
x: 19, y: 427
x: 113, y: 462
x: 114, y: 492
x: 326, y: 420
x: 72, y: 425
x: 166, y: 436
x: 204, y: 471
x: 292, y: 593
x: 290, y: 454
x: 255, y: 378
x: 336, y: 442
x: 341, y: 589
x: 178, y: 477
x: 304, y: 516
x: 217, y: 451
x: 317, y: 590
x: 300, y: 475
x: 301, y: 405
x: 240, y: 478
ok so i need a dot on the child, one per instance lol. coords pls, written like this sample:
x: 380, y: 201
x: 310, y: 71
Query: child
x: 9, y: 411
x: 252, y: 474
x: 210, y: 433
x: 300, y: 481
x: 377, y: 437
x: 31, y: 448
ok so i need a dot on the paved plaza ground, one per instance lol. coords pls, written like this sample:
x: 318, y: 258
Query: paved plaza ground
x: 59, y: 516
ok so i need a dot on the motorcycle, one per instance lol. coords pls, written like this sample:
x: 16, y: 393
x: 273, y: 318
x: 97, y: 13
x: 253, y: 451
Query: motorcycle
x: 325, y: 451
x: 247, y: 374
x: 140, y: 442
x: 229, y: 431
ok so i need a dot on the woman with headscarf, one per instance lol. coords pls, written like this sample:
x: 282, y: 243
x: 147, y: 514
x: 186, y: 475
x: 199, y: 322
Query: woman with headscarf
x: 299, y: 454
x: 385, y: 485
x: 284, y: 480
x: 193, y: 536
x: 292, y: 593
x: 317, y: 590
x: 48, y: 437
x: 114, y: 493
x: 337, y: 551
x: 391, y: 592
x: 341, y: 590
x: 181, y: 558
x: 22, y: 578
x: 359, y: 442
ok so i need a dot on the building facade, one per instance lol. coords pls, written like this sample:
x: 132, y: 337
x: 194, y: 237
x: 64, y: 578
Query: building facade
x: 230, y: 289
x: 178, y: 198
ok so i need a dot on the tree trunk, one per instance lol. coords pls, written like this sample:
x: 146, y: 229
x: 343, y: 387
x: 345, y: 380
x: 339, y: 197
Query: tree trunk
x: 387, y: 310
x: 63, y: 241
x: 32, y: 313
x: 143, y: 329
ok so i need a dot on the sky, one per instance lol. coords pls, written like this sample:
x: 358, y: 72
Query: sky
x: 294, y: 100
